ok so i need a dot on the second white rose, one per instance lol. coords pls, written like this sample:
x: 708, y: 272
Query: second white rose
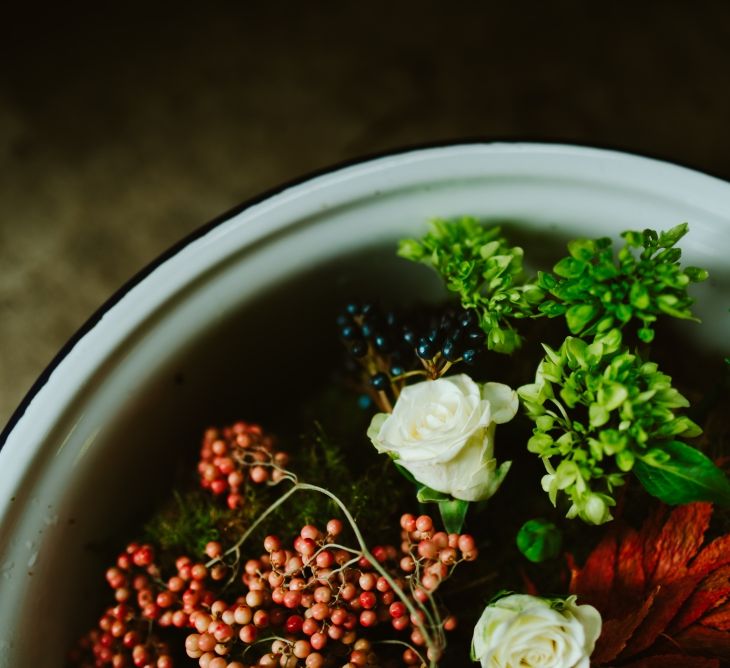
x: 442, y: 432
x: 522, y: 631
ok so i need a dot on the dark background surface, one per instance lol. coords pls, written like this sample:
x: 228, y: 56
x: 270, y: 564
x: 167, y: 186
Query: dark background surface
x: 123, y: 129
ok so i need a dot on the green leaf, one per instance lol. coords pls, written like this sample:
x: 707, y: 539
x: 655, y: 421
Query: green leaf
x: 645, y: 334
x: 428, y: 495
x: 598, y: 415
x: 612, y: 395
x: 569, y: 267
x: 639, y: 296
x: 410, y: 249
x: 696, y: 275
x: 577, y: 350
x: 687, y: 476
x: 453, y: 513
x: 539, y: 443
x: 546, y: 281
x: 552, y: 309
x: 632, y: 238
x: 539, y: 540
x: 625, y: 460
x: 671, y: 237
x: 489, y: 249
x: 579, y: 316
x: 582, y: 249
x: 545, y: 422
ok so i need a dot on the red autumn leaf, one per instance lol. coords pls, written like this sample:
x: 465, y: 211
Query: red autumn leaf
x: 667, y: 603
x: 700, y: 639
x: 594, y: 581
x: 679, y: 540
x: 713, y: 591
x: 713, y: 556
x: 648, y: 535
x: 718, y: 618
x: 664, y: 600
x: 615, y: 633
x: 630, y: 577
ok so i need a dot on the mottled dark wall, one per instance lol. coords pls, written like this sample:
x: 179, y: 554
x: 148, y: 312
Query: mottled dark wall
x: 122, y: 128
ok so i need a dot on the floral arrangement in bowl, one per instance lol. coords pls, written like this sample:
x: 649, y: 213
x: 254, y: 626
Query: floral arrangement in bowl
x: 510, y: 478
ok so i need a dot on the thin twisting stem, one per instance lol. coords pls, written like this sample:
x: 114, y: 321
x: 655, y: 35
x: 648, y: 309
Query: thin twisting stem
x: 298, y: 486
x: 404, y: 644
x: 263, y: 516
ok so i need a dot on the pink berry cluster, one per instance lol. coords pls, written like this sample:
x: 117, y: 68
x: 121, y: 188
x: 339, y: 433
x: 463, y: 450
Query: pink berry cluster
x: 431, y: 556
x: 145, y: 603
x: 232, y: 456
x: 317, y: 604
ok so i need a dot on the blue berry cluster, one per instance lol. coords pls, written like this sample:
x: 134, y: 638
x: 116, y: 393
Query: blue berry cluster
x: 389, y: 345
x: 456, y: 337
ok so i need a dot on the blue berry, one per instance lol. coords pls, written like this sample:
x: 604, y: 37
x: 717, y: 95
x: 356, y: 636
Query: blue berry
x: 434, y: 335
x: 409, y: 336
x: 381, y: 343
x: 367, y: 329
x: 450, y: 350
x: 474, y: 335
x: 425, y: 349
x: 380, y: 381
x: 364, y: 401
x: 469, y: 356
x: 468, y: 318
x: 350, y: 332
x: 353, y: 308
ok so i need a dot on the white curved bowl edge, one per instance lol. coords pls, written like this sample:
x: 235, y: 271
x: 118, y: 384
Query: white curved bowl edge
x: 62, y: 458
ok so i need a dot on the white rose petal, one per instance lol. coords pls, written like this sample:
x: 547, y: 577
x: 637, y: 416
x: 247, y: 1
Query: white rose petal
x: 442, y: 432
x: 522, y: 631
x: 502, y: 400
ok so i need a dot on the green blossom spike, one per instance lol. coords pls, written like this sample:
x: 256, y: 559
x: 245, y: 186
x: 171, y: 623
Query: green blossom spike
x: 601, y: 412
x: 597, y: 291
x: 484, y: 270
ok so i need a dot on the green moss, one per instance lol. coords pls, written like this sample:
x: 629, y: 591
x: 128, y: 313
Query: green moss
x: 190, y: 520
x: 355, y: 474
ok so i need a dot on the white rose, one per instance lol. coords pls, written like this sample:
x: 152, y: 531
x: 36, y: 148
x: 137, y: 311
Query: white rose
x: 531, y: 632
x: 442, y: 432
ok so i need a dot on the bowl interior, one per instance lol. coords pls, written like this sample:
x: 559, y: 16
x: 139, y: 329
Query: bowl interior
x: 243, y: 334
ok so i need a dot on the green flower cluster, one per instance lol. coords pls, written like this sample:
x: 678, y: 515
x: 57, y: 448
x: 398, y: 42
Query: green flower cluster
x: 602, y: 411
x: 484, y: 270
x: 597, y: 292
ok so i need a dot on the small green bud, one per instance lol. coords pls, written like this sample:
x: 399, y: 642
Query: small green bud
x: 539, y: 540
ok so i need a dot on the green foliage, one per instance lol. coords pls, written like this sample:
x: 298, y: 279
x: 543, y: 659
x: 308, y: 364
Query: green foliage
x: 188, y: 522
x: 679, y: 474
x: 601, y: 411
x: 359, y: 484
x: 596, y: 291
x: 453, y: 514
x: 539, y: 540
x: 453, y: 511
x: 484, y: 270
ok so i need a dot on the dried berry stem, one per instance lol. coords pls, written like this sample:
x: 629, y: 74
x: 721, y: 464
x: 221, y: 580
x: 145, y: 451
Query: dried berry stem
x: 430, y: 643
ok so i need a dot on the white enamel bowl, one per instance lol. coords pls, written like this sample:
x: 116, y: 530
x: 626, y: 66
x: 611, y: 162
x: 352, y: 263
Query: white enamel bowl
x: 213, y: 331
